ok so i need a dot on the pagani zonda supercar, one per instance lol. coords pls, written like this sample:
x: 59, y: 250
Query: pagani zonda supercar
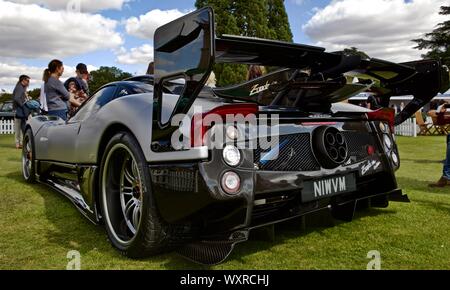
x: 142, y: 157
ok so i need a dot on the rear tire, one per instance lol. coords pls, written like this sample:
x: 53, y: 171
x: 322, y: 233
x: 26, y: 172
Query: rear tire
x: 28, y: 157
x: 132, y: 221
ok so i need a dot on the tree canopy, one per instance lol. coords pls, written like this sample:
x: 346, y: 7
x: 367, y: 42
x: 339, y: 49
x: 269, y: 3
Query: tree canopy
x: 105, y: 75
x: 356, y: 51
x: 263, y: 19
x: 437, y: 42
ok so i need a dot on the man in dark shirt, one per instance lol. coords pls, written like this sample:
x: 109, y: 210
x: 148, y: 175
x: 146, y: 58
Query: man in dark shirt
x: 83, y: 77
x: 20, y: 97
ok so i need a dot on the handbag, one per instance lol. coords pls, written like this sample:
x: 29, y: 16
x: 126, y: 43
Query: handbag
x: 22, y: 112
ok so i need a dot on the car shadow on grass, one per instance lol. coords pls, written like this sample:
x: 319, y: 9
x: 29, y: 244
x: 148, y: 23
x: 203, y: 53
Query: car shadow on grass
x: 71, y: 231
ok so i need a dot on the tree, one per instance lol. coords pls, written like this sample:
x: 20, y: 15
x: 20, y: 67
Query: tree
x: 263, y: 19
x: 105, y: 75
x: 356, y: 51
x: 35, y: 94
x: 252, y: 18
x: 278, y: 21
x: 4, y: 97
x: 437, y: 42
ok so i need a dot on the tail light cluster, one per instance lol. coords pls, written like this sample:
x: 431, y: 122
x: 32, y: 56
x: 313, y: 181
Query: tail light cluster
x: 384, y: 115
x: 386, y: 126
x: 230, y: 180
x: 199, y: 129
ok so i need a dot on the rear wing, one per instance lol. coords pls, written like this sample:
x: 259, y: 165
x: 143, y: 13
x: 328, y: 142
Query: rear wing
x: 188, y: 48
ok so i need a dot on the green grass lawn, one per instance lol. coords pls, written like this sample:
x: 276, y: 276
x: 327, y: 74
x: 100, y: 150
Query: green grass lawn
x: 38, y: 227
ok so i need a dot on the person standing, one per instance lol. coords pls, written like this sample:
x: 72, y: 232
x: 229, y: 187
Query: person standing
x: 20, y: 97
x: 56, y: 94
x: 445, y: 179
x: 254, y: 71
x: 83, y: 78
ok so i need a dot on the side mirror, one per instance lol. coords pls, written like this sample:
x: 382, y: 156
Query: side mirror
x: 184, y: 48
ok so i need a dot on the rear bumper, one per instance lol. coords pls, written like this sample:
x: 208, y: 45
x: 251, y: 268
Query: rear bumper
x: 191, y: 193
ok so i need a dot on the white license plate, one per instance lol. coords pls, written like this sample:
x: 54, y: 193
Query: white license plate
x: 326, y: 187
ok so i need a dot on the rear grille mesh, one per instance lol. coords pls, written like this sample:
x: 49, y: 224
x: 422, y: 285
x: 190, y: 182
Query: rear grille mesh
x: 357, y: 145
x: 178, y: 180
x: 295, y: 152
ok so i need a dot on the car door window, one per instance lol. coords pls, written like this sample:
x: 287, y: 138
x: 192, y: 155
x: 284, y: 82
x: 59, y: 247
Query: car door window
x: 98, y: 100
x: 134, y: 89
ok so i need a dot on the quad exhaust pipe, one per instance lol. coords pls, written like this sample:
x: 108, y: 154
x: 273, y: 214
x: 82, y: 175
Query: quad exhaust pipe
x: 330, y: 147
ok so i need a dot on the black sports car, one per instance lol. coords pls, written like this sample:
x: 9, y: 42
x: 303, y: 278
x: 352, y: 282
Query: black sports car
x: 167, y: 163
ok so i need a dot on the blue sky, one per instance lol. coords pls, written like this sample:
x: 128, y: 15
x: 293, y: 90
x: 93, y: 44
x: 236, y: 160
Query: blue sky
x: 120, y: 32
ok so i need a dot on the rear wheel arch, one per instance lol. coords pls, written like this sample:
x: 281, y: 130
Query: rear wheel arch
x: 107, y: 135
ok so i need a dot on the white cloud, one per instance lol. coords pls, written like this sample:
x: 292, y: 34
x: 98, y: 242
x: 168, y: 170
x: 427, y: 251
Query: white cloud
x: 77, y: 5
x: 30, y: 31
x: 10, y: 72
x: 144, y: 27
x: 299, y: 2
x: 137, y: 55
x: 382, y: 28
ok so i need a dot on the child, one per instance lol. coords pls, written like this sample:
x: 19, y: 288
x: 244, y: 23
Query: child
x: 77, y: 97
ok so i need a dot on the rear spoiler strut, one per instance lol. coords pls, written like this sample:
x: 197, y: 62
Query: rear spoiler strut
x: 188, y: 48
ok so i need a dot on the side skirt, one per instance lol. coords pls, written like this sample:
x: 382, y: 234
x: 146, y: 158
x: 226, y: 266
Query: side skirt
x: 75, y: 182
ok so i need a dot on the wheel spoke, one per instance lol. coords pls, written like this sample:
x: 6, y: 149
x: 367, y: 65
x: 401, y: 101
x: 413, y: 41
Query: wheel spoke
x: 128, y: 175
x: 135, y: 170
x: 128, y: 207
x: 126, y: 190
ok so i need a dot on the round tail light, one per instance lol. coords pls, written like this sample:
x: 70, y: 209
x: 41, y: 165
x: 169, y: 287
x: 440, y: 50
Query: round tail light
x: 231, y: 182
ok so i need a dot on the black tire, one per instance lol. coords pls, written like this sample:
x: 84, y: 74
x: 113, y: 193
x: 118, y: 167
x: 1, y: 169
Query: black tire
x: 28, y: 157
x: 152, y: 234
